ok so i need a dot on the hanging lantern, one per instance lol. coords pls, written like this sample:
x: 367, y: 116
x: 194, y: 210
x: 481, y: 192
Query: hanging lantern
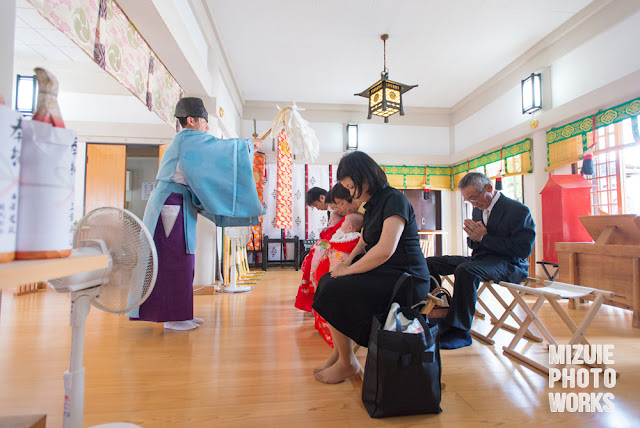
x: 385, y: 96
x: 426, y: 189
x: 587, y: 163
x: 587, y: 159
x: 426, y: 192
x: 499, y: 174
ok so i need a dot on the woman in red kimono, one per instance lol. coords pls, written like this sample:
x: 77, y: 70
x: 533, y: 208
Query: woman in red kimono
x: 345, y: 204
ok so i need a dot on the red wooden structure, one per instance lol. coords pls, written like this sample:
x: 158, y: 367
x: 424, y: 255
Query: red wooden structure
x: 564, y: 199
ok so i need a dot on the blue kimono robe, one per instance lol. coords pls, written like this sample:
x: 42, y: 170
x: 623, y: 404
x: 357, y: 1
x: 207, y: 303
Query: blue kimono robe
x: 221, y: 185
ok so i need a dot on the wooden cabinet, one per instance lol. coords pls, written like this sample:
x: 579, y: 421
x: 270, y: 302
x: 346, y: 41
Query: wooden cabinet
x: 428, y: 213
x: 611, y: 263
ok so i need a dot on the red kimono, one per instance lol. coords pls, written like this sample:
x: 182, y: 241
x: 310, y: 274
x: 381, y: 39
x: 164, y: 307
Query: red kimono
x: 322, y: 258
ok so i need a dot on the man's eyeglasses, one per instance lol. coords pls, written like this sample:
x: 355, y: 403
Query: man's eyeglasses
x: 475, y: 198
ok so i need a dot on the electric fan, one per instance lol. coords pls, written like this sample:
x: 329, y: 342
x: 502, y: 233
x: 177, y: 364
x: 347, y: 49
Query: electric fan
x: 239, y: 236
x: 124, y: 285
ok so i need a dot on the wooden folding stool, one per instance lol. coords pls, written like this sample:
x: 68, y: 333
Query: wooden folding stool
x: 498, y: 323
x: 553, y: 292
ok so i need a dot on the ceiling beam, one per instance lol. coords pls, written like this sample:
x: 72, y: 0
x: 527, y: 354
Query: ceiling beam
x: 348, y: 113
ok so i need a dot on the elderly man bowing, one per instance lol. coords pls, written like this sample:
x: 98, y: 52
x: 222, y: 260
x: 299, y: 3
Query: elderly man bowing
x: 199, y: 174
x: 501, y: 234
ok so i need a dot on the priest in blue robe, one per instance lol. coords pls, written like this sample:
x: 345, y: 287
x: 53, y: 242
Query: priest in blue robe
x: 198, y: 174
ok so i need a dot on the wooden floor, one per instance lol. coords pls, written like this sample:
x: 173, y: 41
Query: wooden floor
x: 251, y: 363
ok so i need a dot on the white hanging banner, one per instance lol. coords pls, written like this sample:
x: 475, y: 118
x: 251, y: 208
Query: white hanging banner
x: 10, y: 147
x: 298, y: 204
x: 318, y: 176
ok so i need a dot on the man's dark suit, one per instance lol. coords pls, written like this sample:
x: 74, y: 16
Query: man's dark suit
x: 500, y: 256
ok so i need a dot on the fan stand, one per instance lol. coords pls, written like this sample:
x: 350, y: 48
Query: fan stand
x: 233, y: 287
x: 74, y: 377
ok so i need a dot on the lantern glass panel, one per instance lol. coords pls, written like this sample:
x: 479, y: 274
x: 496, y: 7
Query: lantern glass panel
x: 531, y: 94
x: 375, y: 98
x: 537, y: 91
x: 393, y: 96
x: 352, y: 137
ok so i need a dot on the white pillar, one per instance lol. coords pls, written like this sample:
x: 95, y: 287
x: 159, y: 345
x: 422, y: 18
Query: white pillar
x: 7, y: 36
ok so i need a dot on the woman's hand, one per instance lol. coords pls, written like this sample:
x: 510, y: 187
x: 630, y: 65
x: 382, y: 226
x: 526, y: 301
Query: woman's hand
x: 392, y: 229
x: 340, y: 270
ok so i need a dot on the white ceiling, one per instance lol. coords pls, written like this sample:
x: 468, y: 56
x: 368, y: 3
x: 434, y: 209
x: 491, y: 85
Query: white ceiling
x: 325, y: 51
x: 37, y: 39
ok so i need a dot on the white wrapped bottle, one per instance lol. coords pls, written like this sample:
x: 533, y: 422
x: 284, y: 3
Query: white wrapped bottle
x: 45, y: 221
x: 10, y: 147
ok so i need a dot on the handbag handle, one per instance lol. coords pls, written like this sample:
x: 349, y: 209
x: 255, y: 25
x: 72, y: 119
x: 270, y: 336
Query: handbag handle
x: 396, y: 287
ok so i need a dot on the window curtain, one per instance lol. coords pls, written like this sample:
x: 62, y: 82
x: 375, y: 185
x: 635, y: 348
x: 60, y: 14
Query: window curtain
x: 415, y: 177
x: 566, y: 144
x: 103, y: 31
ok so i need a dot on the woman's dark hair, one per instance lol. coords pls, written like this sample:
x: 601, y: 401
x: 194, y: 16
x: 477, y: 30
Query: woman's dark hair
x: 314, y: 194
x: 339, y: 192
x: 361, y: 168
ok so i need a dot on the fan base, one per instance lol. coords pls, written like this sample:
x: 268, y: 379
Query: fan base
x: 117, y: 425
x: 237, y: 289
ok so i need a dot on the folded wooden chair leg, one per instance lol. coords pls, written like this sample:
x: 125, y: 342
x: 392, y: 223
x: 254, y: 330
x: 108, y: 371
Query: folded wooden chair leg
x: 531, y: 317
x: 509, y: 312
x: 501, y: 324
x: 480, y: 336
x: 553, y: 292
x: 477, y: 313
x: 578, y: 331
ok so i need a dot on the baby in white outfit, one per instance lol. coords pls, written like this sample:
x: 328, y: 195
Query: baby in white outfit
x: 350, y: 228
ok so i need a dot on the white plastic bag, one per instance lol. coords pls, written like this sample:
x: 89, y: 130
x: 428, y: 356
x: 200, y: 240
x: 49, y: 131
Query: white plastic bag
x: 395, y: 318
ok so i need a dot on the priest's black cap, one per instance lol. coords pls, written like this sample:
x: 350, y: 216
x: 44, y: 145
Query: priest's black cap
x: 191, y: 107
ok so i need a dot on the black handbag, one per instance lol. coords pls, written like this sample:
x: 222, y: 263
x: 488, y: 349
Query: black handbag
x: 402, y: 372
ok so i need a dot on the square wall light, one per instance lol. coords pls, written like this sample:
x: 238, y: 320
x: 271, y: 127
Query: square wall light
x: 26, y: 89
x: 352, y: 137
x: 532, y: 93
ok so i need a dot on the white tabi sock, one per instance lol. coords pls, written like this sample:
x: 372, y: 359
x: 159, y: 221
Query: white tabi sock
x: 180, y: 325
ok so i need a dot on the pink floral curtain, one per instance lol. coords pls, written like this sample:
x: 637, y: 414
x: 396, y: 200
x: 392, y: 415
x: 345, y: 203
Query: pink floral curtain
x: 164, y: 92
x: 102, y: 30
x: 123, y: 53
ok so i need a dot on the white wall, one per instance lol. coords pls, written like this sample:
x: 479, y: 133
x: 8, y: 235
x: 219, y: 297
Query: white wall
x: 504, y: 113
x: 143, y: 169
x: 230, y: 121
x: 184, y: 28
x: 610, y: 56
x: 372, y: 138
x: 105, y: 108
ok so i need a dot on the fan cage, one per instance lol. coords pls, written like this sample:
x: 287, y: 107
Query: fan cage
x: 132, y: 254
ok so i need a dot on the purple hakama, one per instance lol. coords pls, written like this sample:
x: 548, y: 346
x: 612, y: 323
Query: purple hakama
x: 172, y: 297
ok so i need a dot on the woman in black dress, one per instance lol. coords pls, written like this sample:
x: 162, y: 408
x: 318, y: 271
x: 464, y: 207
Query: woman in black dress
x: 361, y: 287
